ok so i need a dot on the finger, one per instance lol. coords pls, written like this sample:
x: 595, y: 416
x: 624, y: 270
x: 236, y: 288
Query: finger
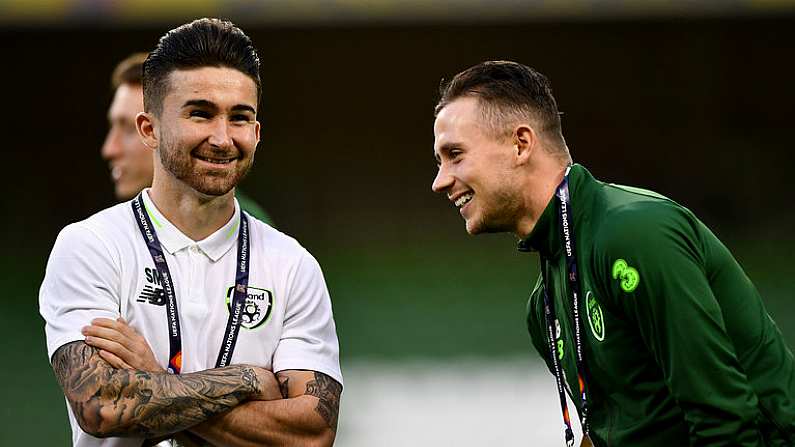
x: 108, y: 345
x: 104, y: 322
x: 122, y: 326
x: 106, y: 333
x: 98, y: 328
x: 114, y: 360
x: 119, y: 324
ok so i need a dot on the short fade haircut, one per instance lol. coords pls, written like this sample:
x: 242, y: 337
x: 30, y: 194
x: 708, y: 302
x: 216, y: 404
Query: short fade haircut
x: 129, y: 71
x: 508, y: 93
x: 202, y: 43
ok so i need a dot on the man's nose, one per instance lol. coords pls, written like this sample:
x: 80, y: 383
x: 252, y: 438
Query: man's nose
x: 220, y: 135
x: 442, y: 181
x: 111, y: 148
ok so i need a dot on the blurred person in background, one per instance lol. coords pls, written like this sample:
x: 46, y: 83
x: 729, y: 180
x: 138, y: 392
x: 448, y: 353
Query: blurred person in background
x: 642, y: 315
x: 157, y: 309
x: 130, y: 161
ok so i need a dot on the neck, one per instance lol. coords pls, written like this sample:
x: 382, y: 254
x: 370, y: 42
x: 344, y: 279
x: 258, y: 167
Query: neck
x: 543, y: 179
x: 195, y: 214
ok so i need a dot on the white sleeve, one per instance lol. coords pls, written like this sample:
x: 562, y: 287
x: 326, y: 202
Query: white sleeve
x: 81, y: 283
x: 309, y: 338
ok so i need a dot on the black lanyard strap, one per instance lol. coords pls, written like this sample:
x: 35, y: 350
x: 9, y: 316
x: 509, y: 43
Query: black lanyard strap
x: 240, y: 295
x: 566, y: 225
x: 172, y: 313
x: 553, y: 335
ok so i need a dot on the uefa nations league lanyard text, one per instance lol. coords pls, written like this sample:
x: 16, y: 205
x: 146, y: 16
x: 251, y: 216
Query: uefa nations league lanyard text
x: 566, y: 225
x: 238, y: 301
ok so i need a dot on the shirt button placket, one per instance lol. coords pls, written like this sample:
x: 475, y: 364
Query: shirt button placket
x: 198, y: 312
x: 195, y: 259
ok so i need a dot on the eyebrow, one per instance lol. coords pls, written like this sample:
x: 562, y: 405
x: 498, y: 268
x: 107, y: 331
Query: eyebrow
x: 211, y: 105
x: 244, y: 108
x: 199, y: 103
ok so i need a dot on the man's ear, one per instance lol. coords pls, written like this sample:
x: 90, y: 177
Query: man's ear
x: 257, y: 130
x: 146, y: 123
x: 525, y: 142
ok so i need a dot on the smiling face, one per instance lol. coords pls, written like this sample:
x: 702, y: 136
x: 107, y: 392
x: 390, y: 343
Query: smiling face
x: 207, y: 131
x: 477, y: 171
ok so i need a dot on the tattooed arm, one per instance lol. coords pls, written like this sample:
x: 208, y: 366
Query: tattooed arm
x: 307, y: 416
x: 118, y: 402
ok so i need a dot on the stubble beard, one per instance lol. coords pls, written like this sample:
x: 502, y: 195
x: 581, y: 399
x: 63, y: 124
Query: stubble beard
x: 181, y: 165
x: 499, y: 214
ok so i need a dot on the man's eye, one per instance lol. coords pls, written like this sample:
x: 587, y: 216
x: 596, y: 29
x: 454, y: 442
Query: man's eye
x: 243, y: 118
x: 199, y: 114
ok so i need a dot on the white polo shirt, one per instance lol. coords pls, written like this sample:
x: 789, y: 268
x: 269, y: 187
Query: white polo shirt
x: 101, y: 267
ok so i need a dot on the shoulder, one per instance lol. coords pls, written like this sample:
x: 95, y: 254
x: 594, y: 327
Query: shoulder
x: 102, y: 229
x: 276, y: 245
x: 644, y: 240
x: 117, y: 219
x: 636, y: 220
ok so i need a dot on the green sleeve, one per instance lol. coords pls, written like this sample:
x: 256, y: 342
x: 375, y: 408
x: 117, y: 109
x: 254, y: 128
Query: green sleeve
x: 250, y: 206
x: 651, y: 260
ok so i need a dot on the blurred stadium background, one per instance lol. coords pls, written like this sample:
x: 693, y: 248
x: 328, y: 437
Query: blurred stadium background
x: 691, y: 98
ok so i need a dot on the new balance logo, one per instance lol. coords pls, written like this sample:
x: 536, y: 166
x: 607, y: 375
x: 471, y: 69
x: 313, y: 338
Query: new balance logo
x: 153, y: 292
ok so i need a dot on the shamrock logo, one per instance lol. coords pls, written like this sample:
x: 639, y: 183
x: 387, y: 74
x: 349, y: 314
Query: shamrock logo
x: 595, y: 316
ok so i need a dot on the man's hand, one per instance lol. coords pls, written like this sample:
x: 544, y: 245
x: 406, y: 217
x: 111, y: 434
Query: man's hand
x: 121, y: 345
x: 307, y: 416
x: 108, y: 401
x: 124, y: 348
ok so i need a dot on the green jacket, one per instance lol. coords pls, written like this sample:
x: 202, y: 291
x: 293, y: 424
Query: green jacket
x: 678, y: 346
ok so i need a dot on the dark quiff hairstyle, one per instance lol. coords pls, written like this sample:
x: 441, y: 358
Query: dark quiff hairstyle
x: 129, y: 71
x: 201, y: 43
x: 508, y: 93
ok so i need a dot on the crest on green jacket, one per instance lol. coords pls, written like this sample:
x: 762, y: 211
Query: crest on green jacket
x: 595, y: 316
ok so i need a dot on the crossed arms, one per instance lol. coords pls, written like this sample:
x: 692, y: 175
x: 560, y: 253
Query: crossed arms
x: 118, y: 392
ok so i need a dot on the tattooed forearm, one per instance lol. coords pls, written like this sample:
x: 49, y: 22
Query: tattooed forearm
x: 114, y: 402
x: 328, y: 391
x: 284, y: 385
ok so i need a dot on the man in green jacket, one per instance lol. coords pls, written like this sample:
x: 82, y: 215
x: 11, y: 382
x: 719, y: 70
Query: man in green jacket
x: 642, y: 315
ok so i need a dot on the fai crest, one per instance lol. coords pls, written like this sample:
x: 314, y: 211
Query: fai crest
x: 257, y: 309
x: 595, y: 316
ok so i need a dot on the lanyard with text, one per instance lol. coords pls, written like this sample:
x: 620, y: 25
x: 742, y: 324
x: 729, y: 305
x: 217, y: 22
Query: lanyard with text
x: 553, y: 327
x: 238, y: 301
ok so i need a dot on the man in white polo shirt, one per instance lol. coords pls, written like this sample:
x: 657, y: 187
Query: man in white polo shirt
x: 129, y: 160
x: 211, y: 289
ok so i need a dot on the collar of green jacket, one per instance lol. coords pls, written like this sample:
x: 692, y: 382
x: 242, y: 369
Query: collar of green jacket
x: 545, y: 237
